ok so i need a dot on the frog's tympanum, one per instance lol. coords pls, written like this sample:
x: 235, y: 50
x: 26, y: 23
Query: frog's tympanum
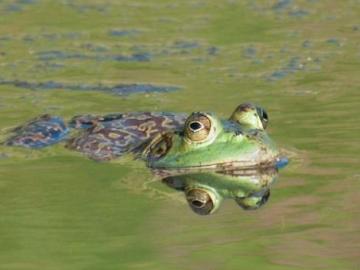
x: 206, y: 157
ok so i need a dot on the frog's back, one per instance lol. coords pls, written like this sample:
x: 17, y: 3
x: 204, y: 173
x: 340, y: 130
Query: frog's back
x: 103, y: 137
x: 39, y: 132
x: 106, y: 140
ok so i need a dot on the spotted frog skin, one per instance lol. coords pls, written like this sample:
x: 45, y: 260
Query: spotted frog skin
x: 112, y: 136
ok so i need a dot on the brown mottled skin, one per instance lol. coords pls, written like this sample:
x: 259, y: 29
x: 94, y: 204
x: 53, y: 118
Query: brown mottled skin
x: 106, y: 140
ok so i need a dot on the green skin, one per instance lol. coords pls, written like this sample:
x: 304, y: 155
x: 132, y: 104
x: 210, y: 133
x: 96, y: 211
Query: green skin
x: 219, y: 164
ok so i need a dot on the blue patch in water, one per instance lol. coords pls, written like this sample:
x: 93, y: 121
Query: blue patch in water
x: 278, y: 75
x: 28, y: 38
x: 281, y: 5
x: 298, y: 13
x: 120, y: 89
x: 122, y: 33
x: 26, y: 2
x: 5, y: 38
x: 13, y: 8
x: 136, y: 57
x: 293, y: 66
x: 95, y: 48
x: 281, y: 163
x: 55, y: 55
x: 71, y: 35
x: 186, y: 45
x: 60, y: 55
x: 306, y: 44
x: 50, y: 36
x: 333, y: 41
x: 47, y: 66
x: 250, y: 52
x: 213, y: 50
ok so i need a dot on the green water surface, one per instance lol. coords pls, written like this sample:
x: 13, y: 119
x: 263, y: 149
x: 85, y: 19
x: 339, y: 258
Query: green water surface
x: 299, y: 59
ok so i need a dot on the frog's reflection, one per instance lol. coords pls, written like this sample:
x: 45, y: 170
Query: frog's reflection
x: 206, y: 189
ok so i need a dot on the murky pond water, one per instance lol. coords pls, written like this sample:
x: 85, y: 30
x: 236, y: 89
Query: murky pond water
x: 299, y: 59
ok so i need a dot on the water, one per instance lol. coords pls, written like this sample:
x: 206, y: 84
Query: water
x: 62, y: 211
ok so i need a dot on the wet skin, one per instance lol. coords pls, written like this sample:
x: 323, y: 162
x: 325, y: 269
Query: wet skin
x: 208, y: 158
x: 209, y: 142
x: 213, y: 159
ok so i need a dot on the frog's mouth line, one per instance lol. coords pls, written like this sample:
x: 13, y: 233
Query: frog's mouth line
x: 233, y: 167
x: 263, y: 169
x: 161, y: 145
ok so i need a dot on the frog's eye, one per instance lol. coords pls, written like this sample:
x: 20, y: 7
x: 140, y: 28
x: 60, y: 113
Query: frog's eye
x: 250, y: 116
x: 197, y: 127
x: 264, y: 118
x: 200, y: 201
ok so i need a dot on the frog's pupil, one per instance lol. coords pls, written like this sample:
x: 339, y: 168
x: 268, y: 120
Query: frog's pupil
x: 195, y: 126
x: 265, y: 116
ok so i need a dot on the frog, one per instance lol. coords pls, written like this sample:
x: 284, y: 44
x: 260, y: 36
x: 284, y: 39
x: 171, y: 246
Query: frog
x: 212, y: 159
x: 99, y: 137
x: 207, y: 141
x: 189, y: 148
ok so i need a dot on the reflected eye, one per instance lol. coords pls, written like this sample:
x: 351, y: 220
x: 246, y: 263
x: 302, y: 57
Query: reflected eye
x: 199, y: 201
x: 197, y: 127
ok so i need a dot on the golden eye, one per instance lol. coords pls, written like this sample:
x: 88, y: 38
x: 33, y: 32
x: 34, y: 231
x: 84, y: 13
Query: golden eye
x: 200, y: 201
x: 197, y: 127
x: 264, y: 117
x: 251, y: 116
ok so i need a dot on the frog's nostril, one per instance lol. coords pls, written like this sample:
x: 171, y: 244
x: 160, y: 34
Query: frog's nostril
x: 195, y: 126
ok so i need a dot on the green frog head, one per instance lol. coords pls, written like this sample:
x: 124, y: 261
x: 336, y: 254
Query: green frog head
x: 209, y: 142
x: 210, y: 159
